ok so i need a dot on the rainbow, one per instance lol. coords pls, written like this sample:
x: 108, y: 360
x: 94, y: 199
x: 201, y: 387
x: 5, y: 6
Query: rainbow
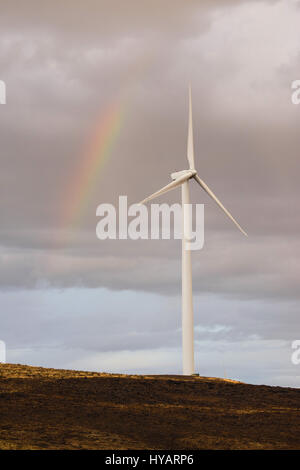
x: 86, y: 176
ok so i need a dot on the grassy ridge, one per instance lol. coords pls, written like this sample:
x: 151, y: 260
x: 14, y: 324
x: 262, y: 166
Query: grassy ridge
x: 61, y: 409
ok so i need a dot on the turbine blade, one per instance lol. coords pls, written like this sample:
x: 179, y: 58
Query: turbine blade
x: 190, y: 143
x: 214, y: 197
x: 168, y: 187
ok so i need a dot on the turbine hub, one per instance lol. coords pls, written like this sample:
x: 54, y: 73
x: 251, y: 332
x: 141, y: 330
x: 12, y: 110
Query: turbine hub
x: 178, y: 174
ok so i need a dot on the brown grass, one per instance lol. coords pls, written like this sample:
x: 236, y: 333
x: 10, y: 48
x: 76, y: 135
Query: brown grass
x: 62, y: 409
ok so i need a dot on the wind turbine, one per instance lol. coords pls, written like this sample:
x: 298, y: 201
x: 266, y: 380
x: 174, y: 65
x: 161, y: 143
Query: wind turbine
x: 182, y: 179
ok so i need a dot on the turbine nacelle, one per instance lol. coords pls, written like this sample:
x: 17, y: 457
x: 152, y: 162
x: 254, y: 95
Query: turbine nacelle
x: 179, y: 174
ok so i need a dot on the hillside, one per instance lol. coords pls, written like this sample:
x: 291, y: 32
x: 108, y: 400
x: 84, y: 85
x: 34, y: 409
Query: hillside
x: 61, y: 409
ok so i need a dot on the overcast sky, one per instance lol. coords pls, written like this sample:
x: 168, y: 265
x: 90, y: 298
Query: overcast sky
x: 71, y: 300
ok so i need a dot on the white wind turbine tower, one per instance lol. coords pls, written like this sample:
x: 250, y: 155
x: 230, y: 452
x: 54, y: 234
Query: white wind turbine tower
x: 182, y: 178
